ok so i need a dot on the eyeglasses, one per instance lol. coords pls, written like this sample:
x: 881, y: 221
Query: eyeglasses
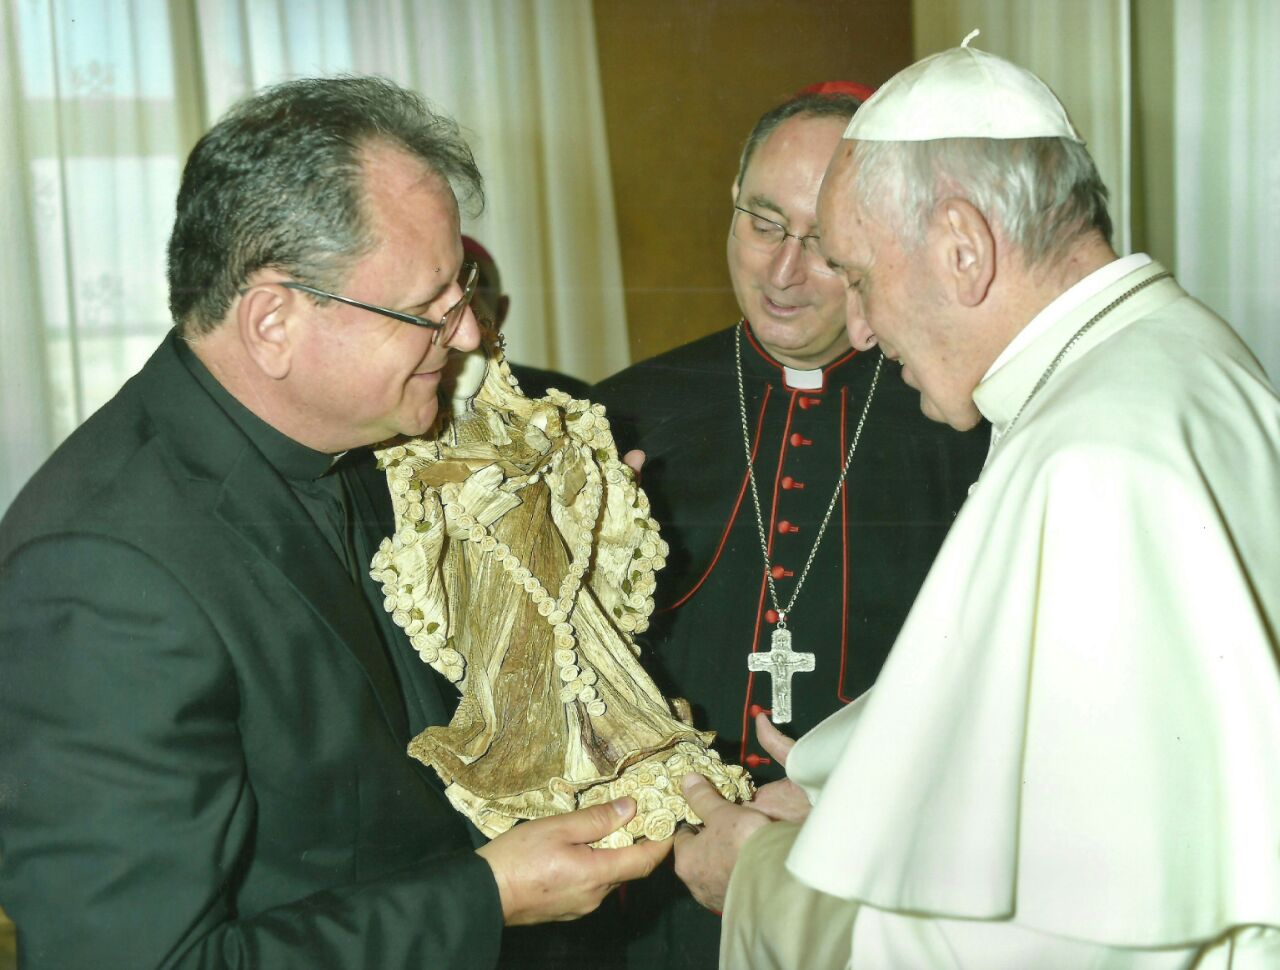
x: 766, y: 236
x: 445, y: 329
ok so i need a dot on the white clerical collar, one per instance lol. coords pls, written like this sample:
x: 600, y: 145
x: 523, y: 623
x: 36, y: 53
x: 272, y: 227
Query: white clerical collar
x: 1066, y: 302
x: 803, y: 380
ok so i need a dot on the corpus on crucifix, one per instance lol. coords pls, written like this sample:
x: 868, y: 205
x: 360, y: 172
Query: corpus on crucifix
x: 780, y: 663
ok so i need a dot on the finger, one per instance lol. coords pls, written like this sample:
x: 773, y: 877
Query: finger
x: 702, y: 796
x: 634, y: 459
x: 634, y: 861
x: 594, y: 823
x: 782, y: 800
x: 772, y: 740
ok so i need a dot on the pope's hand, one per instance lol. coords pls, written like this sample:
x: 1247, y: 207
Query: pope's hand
x: 546, y: 869
x: 782, y: 800
x: 634, y: 459
x: 704, y: 859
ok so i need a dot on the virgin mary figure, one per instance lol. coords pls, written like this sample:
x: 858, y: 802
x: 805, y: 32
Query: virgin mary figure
x: 521, y: 567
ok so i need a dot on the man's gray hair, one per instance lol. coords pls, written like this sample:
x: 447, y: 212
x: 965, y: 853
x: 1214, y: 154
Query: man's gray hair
x: 279, y: 183
x: 1042, y: 193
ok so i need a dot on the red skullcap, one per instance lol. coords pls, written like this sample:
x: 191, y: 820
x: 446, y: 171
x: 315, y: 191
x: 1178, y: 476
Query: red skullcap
x: 860, y: 91
x: 477, y: 252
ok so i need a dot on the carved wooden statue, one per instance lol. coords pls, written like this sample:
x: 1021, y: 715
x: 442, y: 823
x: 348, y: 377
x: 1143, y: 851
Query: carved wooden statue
x: 522, y: 564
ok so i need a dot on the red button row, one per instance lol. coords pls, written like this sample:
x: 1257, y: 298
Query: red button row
x: 778, y: 572
x: 754, y: 760
x: 799, y: 441
x: 809, y: 402
x: 789, y: 483
x: 784, y: 527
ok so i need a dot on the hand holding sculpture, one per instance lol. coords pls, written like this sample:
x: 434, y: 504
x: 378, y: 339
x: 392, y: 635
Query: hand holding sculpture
x: 705, y: 856
x: 546, y: 870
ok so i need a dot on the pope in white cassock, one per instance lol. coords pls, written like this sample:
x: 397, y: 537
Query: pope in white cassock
x: 1072, y: 756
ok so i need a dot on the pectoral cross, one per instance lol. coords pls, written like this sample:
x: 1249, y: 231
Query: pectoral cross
x: 780, y: 663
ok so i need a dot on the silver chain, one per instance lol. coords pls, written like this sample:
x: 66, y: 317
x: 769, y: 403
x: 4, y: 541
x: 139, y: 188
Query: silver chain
x: 1066, y: 348
x: 755, y: 494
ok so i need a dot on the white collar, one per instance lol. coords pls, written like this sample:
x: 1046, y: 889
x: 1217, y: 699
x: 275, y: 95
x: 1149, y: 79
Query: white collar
x: 803, y: 380
x: 1067, y: 301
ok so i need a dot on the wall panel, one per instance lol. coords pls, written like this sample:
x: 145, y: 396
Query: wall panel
x: 683, y: 84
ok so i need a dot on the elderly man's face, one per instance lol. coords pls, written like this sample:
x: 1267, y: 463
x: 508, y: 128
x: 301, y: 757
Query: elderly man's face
x: 371, y: 377
x: 896, y: 299
x: 798, y: 314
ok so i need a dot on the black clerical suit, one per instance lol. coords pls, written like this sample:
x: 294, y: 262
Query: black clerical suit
x: 908, y: 479
x: 202, y: 721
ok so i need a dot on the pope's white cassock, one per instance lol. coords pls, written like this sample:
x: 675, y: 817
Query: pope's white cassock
x: 1072, y: 757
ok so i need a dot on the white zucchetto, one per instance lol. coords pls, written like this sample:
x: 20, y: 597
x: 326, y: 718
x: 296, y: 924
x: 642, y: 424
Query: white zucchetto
x: 962, y: 93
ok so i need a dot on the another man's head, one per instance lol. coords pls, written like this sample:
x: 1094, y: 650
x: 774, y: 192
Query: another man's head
x: 961, y: 204
x: 491, y: 304
x: 784, y: 287
x: 340, y: 185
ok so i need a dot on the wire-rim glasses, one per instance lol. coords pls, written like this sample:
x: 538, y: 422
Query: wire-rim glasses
x: 766, y: 236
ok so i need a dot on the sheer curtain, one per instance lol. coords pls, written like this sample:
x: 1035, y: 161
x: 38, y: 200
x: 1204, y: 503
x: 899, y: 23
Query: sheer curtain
x: 102, y: 99
x: 1180, y: 105
x: 1226, y: 124
x: 90, y: 164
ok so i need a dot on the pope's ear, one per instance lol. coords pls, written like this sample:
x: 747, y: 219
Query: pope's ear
x: 733, y: 192
x: 262, y: 321
x: 967, y: 248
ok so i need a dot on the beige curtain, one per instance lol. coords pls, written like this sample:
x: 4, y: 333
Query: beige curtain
x: 1179, y: 101
x: 1225, y: 106
x: 102, y: 99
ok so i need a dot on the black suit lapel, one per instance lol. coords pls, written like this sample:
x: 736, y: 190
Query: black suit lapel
x: 257, y: 503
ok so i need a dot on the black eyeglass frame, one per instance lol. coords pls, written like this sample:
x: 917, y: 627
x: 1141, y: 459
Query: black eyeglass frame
x: 445, y: 328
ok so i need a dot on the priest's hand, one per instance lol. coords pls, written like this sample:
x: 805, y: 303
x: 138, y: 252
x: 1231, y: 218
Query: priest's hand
x: 705, y: 858
x: 783, y: 800
x: 546, y: 869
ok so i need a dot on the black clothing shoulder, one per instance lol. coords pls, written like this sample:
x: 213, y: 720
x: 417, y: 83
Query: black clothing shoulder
x: 201, y: 730
x: 535, y: 382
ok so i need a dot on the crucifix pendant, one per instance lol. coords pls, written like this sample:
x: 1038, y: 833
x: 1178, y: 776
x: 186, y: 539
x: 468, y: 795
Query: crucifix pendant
x: 780, y: 663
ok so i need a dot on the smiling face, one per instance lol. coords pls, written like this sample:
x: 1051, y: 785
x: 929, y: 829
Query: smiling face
x: 796, y: 313
x: 364, y: 377
x: 898, y: 299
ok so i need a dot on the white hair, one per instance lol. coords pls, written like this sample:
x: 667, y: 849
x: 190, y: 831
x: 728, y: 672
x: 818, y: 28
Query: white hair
x: 1042, y: 193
